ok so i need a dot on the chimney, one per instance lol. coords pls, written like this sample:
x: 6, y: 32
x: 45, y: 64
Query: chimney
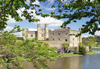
x: 79, y: 29
x: 68, y: 27
x: 64, y: 27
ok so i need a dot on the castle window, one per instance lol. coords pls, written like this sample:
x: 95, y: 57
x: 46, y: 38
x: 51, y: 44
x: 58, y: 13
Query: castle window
x: 31, y: 35
x: 58, y: 38
x: 53, y: 39
x: 58, y: 33
x: 42, y: 35
x: 53, y: 33
x: 73, y: 44
x: 73, y: 39
x: 65, y: 39
x: 26, y: 35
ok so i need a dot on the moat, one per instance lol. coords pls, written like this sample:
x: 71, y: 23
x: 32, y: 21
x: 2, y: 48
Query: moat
x: 76, y: 62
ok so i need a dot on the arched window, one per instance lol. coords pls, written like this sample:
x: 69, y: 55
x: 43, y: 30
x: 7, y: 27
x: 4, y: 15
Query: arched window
x: 31, y: 35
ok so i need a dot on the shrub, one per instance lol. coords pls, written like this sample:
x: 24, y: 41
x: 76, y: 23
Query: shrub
x: 47, y: 39
x: 82, y: 49
x: 66, y: 46
x: 19, y: 38
x: 46, y: 44
x: 71, y: 49
x: 75, y: 49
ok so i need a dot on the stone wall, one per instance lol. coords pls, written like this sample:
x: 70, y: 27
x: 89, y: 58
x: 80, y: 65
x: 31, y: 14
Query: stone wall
x: 74, y: 41
x: 54, y: 43
x: 60, y: 35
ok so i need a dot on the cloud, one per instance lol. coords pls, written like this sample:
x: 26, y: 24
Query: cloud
x: 32, y: 29
x: 50, y: 9
x: 12, y: 20
x: 36, y: 2
x: 8, y: 28
x: 49, y: 20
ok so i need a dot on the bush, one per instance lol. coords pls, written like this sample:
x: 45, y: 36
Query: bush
x: 47, y: 39
x: 66, y: 46
x: 82, y: 49
x: 71, y: 49
x: 19, y: 38
x: 75, y: 49
x: 46, y: 44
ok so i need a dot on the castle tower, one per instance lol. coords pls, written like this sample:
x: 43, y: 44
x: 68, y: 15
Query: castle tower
x: 39, y: 31
x: 24, y: 33
x: 46, y: 32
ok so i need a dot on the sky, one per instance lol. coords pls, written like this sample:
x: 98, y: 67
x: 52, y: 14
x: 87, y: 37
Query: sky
x: 53, y: 23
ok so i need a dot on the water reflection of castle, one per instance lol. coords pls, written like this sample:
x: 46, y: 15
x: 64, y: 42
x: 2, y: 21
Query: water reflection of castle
x: 66, y: 63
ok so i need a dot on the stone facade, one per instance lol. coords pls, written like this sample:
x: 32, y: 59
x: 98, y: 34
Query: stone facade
x: 57, y: 35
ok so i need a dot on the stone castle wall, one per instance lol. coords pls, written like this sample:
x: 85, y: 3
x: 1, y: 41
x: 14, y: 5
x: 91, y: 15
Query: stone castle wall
x: 54, y: 43
x: 56, y: 37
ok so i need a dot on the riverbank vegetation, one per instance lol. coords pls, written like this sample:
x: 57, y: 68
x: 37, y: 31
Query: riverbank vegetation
x: 71, y: 54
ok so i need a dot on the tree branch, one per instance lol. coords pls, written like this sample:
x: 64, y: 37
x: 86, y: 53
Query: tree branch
x: 6, y: 7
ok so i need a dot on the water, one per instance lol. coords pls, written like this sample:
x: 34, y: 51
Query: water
x: 77, y: 62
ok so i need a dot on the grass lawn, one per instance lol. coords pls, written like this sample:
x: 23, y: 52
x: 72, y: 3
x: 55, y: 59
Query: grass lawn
x: 67, y: 55
x: 93, y: 52
x: 70, y: 54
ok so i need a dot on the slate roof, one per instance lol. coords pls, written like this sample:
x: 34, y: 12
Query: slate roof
x: 30, y: 32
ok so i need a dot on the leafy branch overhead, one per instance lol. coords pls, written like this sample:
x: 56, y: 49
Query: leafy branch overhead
x: 72, y: 10
x: 76, y: 10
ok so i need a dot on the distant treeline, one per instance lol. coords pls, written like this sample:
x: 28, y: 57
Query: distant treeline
x: 94, y: 39
x: 97, y: 38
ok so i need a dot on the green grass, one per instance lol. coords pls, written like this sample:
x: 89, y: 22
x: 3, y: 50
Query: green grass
x: 70, y: 54
x: 93, y: 52
x: 67, y: 55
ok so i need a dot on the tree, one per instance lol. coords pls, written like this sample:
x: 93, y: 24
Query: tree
x: 16, y: 52
x: 82, y: 49
x: 90, y: 43
x: 78, y: 9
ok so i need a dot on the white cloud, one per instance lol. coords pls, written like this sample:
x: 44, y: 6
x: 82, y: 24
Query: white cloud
x: 50, y: 9
x: 49, y: 20
x: 12, y: 20
x: 36, y: 2
x: 32, y: 29
x: 97, y: 33
x: 8, y: 28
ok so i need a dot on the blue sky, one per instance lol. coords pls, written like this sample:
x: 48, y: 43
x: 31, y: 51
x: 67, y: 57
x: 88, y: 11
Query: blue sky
x: 53, y: 23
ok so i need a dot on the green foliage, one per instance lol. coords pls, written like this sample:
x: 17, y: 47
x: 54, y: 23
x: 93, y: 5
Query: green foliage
x: 75, y: 9
x: 19, y: 38
x: 47, y: 39
x: 31, y: 50
x: 75, y: 49
x: 89, y: 41
x: 66, y: 46
x: 46, y: 44
x: 82, y: 49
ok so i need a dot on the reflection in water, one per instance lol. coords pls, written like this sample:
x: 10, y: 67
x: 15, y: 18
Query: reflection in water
x: 66, y: 63
x: 77, y: 62
x: 61, y: 63
x: 91, y: 61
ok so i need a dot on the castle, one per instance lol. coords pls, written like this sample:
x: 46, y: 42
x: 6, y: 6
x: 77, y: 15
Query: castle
x: 57, y: 35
